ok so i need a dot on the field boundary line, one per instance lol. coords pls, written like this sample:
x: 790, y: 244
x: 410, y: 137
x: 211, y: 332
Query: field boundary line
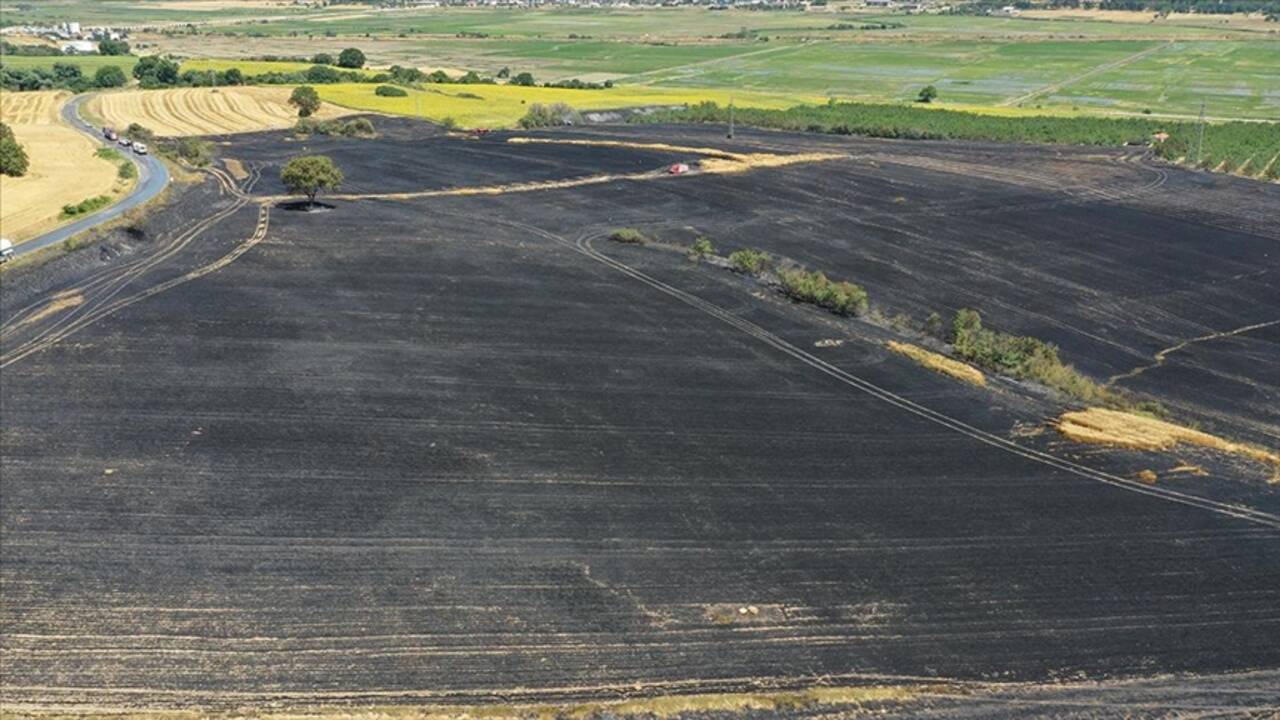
x: 1054, y: 87
x: 583, y: 245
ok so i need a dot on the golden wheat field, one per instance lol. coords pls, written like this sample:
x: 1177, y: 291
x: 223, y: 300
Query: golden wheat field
x: 203, y: 111
x: 63, y: 169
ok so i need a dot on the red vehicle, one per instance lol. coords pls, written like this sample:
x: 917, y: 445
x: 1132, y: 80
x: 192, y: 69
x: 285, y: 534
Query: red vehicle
x: 110, y: 134
x: 678, y: 169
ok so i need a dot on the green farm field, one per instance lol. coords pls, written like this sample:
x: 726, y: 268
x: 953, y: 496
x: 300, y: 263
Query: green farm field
x: 88, y: 64
x: 1060, y: 64
x: 1130, y: 65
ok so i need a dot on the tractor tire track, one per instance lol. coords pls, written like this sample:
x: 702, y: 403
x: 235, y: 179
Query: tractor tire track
x: 584, y: 246
x: 116, y: 281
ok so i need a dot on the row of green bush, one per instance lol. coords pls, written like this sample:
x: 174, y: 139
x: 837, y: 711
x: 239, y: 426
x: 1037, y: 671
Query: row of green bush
x: 1245, y: 147
x: 356, y: 127
x: 1029, y: 358
x: 1017, y: 356
x: 125, y: 167
x: 85, y: 206
x: 539, y: 115
x: 192, y: 151
x: 840, y: 297
x: 62, y: 76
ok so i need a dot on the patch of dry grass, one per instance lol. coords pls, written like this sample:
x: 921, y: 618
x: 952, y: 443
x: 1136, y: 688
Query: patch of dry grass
x: 236, y: 168
x: 717, y: 160
x: 939, y: 363
x: 662, y: 707
x: 751, y: 161
x: 56, y: 304
x: 1122, y: 429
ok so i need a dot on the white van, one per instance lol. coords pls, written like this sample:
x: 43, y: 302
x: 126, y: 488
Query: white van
x: 6, y: 249
x: 140, y: 148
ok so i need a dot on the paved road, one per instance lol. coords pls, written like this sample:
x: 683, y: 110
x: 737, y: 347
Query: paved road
x: 152, y: 178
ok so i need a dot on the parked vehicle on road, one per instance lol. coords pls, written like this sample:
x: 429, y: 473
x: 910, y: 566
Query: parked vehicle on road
x: 124, y: 142
x: 140, y: 148
x: 6, y: 250
x: 110, y: 133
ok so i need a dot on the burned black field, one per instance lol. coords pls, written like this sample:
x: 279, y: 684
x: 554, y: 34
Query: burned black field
x: 455, y: 447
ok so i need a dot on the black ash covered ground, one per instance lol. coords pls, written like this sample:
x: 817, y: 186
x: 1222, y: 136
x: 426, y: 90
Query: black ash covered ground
x: 442, y: 445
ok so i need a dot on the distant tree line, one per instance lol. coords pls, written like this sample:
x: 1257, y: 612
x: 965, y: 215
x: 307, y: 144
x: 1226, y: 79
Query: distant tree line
x: 106, y: 47
x: 157, y: 71
x: 62, y: 76
x: 1208, y: 7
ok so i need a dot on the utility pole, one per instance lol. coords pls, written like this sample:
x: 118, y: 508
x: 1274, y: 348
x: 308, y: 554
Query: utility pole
x: 730, y: 117
x: 1200, y: 139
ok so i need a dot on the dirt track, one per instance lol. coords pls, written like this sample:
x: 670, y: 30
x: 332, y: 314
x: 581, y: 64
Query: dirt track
x: 446, y: 447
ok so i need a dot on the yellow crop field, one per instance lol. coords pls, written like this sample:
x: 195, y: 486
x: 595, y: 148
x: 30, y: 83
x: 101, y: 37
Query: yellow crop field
x: 503, y: 105
x: 252, y: 67
x: 63, y: 169
x: 202, y: 111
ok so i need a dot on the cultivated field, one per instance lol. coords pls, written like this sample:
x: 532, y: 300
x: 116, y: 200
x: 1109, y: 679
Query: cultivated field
x: 439, y: 446
x: 202, y: 111
x: 63, y: 169
x: 1120, y: 64
x: 1061, y: 64
x: 503, y: 105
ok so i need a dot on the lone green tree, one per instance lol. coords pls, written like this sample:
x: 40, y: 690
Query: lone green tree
x: 13, y: 159
x: 351, y: 58
x: 109, y: 76
x: 927, y: 94
x: 155, y: 71
x: 306, y: 99
x: 113, y: 47
x: 310, y: 174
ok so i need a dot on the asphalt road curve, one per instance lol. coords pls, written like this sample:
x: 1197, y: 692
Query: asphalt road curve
x: 152, y: 179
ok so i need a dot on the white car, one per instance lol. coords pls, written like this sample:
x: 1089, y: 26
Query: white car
x: 6, y: 249
x: 140, y: 148
x: 124, y: 142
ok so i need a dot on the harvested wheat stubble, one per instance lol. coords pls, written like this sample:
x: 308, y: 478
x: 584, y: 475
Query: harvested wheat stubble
x: 1121, y: 429
x: 939, y: 363
x: 204, y: 111
x: 62, y: 170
